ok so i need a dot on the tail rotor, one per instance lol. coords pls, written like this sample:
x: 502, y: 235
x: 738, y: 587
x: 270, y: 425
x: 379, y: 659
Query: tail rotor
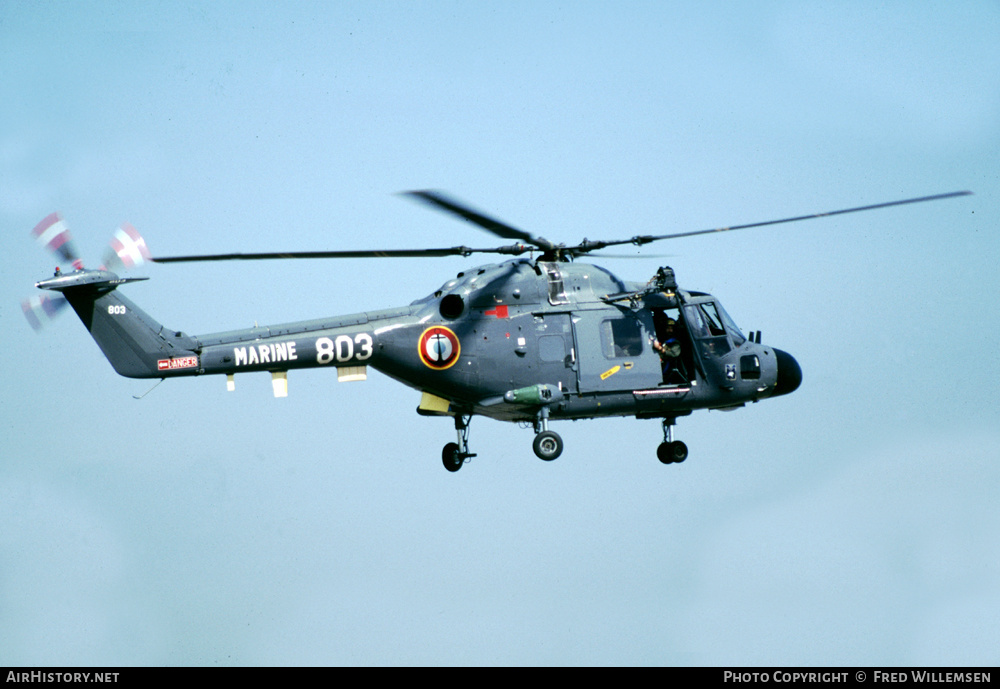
x: 126, y: 250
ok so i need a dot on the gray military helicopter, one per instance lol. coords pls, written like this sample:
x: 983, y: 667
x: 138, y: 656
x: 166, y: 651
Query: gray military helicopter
x: 527, y: 340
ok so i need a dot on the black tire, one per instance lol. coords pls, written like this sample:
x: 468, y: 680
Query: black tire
x: 547, y: 445
x: 679, y: 451
x: 450, y: 457
x: 672, y: 453
x: 664, y: 454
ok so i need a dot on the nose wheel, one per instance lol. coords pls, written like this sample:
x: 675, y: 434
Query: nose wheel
x: 671, y: 451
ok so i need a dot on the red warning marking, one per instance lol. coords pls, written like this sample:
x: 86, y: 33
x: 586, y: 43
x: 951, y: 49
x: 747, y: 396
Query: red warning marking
x: 500, y: 311
x: 180, y: 362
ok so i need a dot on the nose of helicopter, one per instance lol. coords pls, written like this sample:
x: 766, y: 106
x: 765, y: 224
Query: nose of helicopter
x: 789, y: 374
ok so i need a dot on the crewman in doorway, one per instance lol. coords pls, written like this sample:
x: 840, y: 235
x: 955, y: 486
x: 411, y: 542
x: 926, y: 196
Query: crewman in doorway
x: 670, y: 351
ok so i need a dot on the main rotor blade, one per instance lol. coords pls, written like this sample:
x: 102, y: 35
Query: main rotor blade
x: 442, y: 202
x: 387, y: 253
x: 645, y: 239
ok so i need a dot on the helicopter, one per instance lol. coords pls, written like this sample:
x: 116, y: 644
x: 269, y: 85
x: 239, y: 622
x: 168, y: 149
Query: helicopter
x: 527, y: 340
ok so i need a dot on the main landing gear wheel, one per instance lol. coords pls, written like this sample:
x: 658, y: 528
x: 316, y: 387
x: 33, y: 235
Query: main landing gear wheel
x: 451, y: 457
x: 672, y: 452
x: 548, y: 445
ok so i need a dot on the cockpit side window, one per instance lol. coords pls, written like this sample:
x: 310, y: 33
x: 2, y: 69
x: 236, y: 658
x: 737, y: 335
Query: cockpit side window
x: 712, y: 319
x: 706, y: 326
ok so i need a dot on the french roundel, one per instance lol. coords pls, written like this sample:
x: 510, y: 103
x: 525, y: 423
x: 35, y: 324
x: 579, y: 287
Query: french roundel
x: 439, y: 348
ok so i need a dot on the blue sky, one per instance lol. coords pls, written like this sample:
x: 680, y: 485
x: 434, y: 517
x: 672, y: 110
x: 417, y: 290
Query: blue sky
x: 852, y: 522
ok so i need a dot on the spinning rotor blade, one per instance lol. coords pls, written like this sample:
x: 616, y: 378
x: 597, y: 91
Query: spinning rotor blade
x: 639, y: 240
x: 515, y: 250
x: 552, y: 252
x: 127, y: 249
x: 53, y: 233
x: 442, y: 202
x: 42, y: 309
x: 433, y: 198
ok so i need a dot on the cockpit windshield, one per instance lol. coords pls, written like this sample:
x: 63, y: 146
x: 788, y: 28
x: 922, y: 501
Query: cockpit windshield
x: 731, y: 327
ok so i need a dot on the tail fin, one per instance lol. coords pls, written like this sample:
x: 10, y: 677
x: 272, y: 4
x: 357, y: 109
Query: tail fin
x: 135, y: 344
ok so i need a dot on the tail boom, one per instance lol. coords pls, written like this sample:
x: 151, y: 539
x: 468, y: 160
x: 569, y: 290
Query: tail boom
x: 135, y: 344
x: 139, y: 347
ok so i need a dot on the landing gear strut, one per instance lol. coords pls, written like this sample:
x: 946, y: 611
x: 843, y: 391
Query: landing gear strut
x: 454, y: 454
x: 548, y: 445
x: 671, y: 451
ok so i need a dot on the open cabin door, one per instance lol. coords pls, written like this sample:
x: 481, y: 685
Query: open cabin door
x: 615, y: 354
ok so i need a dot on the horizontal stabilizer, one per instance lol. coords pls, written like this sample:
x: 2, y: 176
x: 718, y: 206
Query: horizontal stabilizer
x: 103, y: 280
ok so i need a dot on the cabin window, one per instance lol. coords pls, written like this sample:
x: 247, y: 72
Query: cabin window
x: 621, y: 337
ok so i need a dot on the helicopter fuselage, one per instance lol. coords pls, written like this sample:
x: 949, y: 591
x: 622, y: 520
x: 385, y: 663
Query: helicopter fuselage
x: 501, y: 340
